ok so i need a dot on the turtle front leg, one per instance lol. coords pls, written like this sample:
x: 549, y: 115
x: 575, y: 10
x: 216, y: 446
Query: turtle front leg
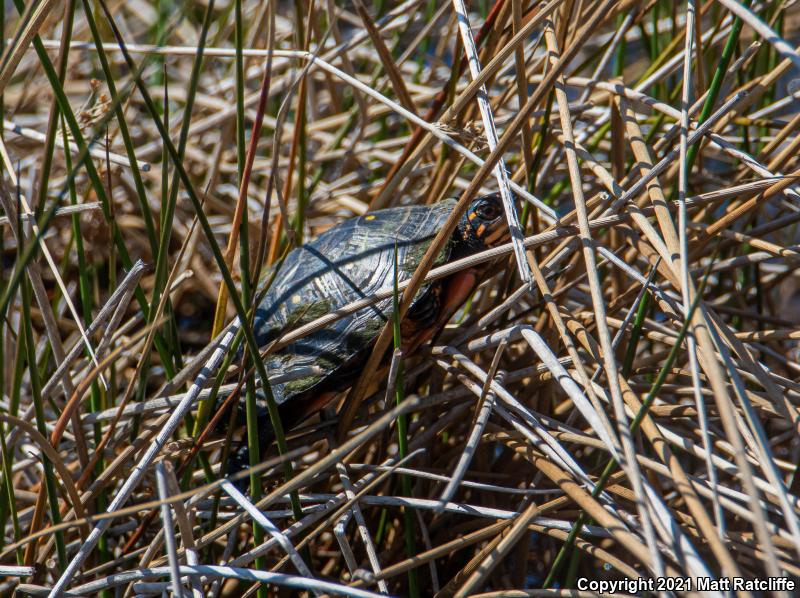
x: 425, y: 321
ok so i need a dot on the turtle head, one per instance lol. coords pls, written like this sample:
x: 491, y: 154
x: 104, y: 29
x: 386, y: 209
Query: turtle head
x: 484, y: 224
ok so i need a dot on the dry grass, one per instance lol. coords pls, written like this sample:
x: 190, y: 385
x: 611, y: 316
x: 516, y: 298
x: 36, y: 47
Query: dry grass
x: 618, y: 400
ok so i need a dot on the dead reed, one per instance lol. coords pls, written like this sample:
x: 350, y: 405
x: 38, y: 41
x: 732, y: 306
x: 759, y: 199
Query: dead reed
x: 619, y: 400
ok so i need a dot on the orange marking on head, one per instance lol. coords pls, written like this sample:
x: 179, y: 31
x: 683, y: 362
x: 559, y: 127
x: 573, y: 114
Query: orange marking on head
x: 497, y: 236
x: 472, y: 216
x: 480, y: 230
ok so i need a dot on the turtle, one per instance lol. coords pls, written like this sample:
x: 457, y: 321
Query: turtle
x: 350, y: 261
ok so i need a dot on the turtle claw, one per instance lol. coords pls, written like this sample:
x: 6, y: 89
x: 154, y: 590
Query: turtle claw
x: 238, y: 461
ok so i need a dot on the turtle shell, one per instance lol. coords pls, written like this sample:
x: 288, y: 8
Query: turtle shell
x: 348, y: 262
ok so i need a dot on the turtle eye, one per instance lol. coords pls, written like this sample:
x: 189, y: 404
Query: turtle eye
x: 488, y: 210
